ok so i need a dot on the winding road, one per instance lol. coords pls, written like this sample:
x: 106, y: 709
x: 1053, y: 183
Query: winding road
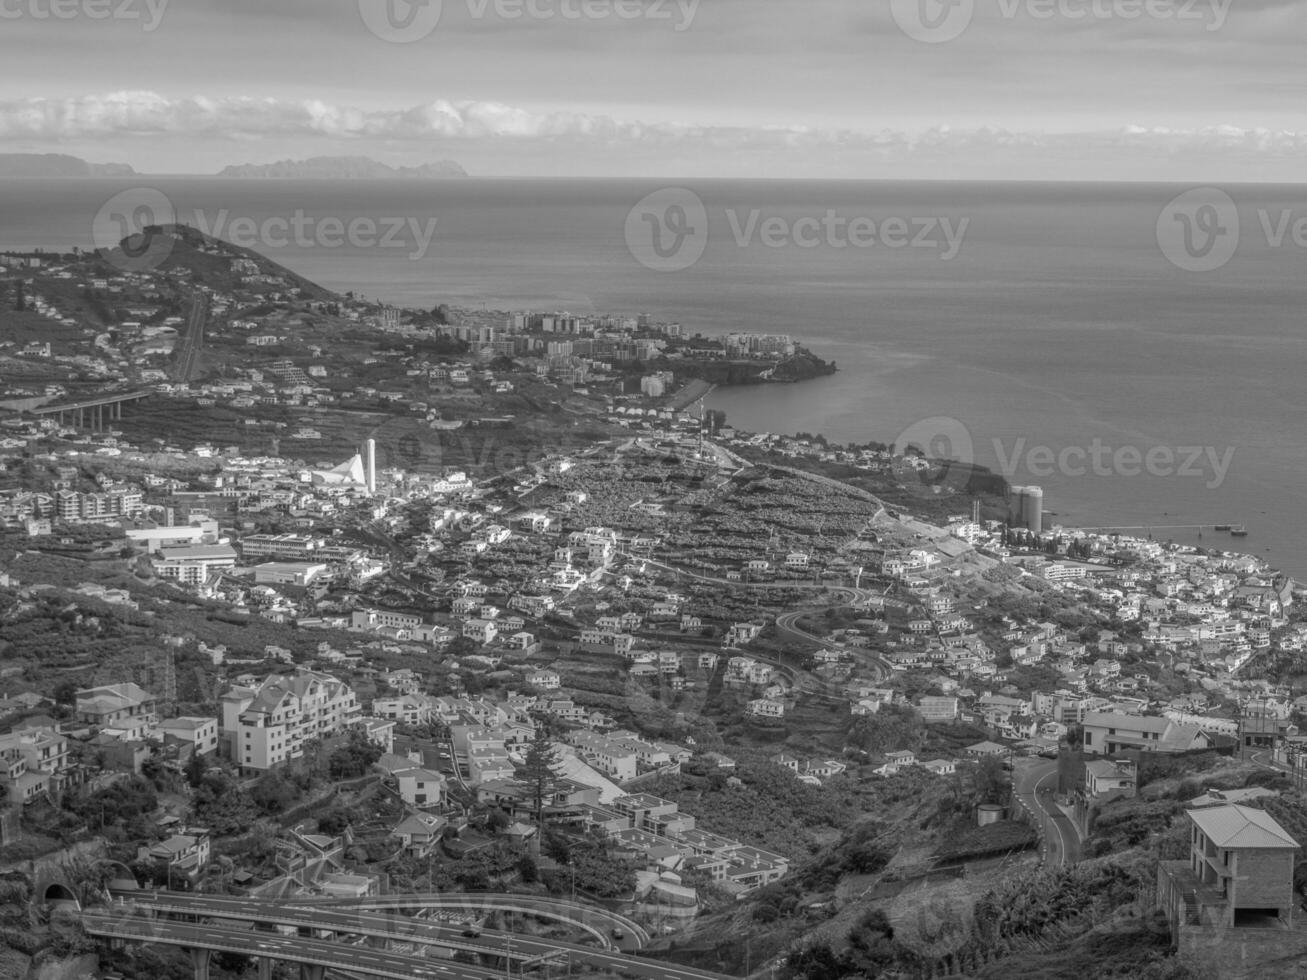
x: 1034, y: 783
x: 221, y: 923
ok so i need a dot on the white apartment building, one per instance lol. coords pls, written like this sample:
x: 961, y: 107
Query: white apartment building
x: 613, y: 758
x: 31, y: 762
x: 75, y: 506
x: 125, y: 709
x: 375, y: 619
x: 297, y: 573
x: 412, y: 709
x: 292, y: 547
x: 267, y: 726
x: 192, y: 565
x: 199, y: 531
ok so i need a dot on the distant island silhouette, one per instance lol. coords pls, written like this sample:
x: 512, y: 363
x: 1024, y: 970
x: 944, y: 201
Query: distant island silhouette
x: 315, y: 168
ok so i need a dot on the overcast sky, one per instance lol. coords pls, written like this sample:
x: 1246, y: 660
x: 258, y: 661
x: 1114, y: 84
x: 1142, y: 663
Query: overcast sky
x: 1190, y: 89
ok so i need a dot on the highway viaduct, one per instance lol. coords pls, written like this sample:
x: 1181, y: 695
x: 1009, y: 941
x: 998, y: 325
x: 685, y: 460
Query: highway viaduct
x: 205, y: 924
x: 93, y: 412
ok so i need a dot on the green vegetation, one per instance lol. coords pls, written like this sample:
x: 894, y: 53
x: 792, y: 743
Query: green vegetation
x: 1026, y: 926
x: 60, y: 637
x: 594, y: 868
x: 222, y: 805
x: 1158, y: 766
x: 802, y: 366
x: 893, y: 728
x: 769, y: 808
x: 1005, y: 837
x: 125, y: 805
x: 354, y: 758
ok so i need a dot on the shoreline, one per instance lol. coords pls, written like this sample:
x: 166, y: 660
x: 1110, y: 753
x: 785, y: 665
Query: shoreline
x: 1217, y: 540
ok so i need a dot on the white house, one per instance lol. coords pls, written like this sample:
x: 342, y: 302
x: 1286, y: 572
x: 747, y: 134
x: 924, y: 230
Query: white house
x: 545, y: 679
x: 766, y: 708
x: 420, y: 787
x: 200, y: 732
x: 480, y: 630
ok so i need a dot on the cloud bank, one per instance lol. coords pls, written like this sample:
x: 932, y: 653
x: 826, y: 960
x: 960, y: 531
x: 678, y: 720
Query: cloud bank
x: 128, y: 118
x: 149, y: 114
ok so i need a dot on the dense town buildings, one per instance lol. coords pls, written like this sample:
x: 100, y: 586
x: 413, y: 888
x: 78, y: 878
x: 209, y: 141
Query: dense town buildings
x: 613, y: 596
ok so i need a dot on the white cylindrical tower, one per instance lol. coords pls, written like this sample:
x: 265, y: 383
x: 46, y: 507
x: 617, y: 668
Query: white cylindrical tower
x: 1034, y: 509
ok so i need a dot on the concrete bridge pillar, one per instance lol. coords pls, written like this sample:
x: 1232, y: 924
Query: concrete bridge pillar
x: 312, y: 971
x: 200, y: 960
x: 265, y: 967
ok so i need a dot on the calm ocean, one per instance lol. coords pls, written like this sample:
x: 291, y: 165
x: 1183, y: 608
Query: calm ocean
x: 1066, y: 348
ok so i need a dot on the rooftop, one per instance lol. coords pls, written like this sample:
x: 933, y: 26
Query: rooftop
x: 199, y: 552
x: 1236, y: 826
x: 1135, y: 723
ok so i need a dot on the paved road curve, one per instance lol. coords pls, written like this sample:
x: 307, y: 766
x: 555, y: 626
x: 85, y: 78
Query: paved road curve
x: 788, y: 625
x: 328, y: 914
x: 1034, y: 784
x: 584, y: 915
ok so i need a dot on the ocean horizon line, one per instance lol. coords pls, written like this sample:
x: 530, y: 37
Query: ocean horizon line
x: 668, y: 178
